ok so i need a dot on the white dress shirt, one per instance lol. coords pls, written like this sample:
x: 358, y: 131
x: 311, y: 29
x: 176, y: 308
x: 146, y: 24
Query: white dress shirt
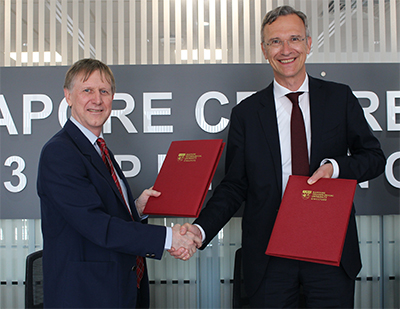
x: 283, y: 108
x: 283, y: 114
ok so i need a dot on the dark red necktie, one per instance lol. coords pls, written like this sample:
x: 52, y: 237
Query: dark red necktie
x: 105, y: 155
x: 300, y: 165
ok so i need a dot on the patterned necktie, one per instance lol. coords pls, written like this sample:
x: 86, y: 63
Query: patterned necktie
x: 105, y: 155
x: 300, y: 165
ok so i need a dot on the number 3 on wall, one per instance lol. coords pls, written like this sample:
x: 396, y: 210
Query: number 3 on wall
x: 16, y: 172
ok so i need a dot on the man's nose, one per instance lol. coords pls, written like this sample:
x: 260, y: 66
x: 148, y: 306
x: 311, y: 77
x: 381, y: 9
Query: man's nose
x: 285, y: 45
x: 285, y: 48
x: 97, y: 97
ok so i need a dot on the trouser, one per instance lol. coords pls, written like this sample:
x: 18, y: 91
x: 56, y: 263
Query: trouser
x: 324, y: 286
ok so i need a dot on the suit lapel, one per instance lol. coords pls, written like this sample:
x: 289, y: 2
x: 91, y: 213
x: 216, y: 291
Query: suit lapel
x: 121, y: 175
x: 93, y: 157
x: 317, y: 112
x: 267, y: 116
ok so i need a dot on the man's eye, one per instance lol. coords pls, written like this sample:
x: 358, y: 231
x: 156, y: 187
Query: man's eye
x: 275, y: 42
x: 295, y: 39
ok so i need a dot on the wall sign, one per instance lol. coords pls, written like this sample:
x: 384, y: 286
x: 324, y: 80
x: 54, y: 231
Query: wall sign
x: 155, y: 105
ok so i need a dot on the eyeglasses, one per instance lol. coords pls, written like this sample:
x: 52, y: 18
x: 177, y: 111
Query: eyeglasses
x: 293, y: 41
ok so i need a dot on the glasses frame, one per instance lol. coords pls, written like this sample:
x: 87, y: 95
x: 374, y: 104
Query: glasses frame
x: 281, y: 42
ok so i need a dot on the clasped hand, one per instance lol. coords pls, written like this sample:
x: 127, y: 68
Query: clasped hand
x: 185, y: 241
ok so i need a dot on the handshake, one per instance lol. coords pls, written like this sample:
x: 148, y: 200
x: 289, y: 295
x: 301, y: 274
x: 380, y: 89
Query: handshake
x: 185, y: 241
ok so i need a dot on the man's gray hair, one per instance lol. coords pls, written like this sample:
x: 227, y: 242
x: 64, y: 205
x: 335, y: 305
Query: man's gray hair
x: 87, y: 67
x: 284, y: 10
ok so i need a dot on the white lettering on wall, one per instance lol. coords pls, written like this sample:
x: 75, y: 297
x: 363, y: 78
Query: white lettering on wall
x: 134, y: 160
x: 389, y: 169
x: 63, y: 112
x: 374, y: 104
x: 392, y: 110
x: 160, y: 161
x: 7, y: 119
x: 28, y: 115
x: 149, y: 112
x: 121, y: 114
x: 200, y: 107
x: 17, y: 172
x: 241, y: 95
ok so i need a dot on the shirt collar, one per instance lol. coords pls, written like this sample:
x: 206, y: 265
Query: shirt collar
x: 281, y: 91
x: 89, y: 135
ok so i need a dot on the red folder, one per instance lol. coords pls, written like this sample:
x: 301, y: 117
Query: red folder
x: 185, y: 177
x: 312, y: 221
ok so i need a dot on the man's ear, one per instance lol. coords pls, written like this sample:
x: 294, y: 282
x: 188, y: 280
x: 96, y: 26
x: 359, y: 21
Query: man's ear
x: 264, y: 51
x: 67, y: 96
x: 309, y: 42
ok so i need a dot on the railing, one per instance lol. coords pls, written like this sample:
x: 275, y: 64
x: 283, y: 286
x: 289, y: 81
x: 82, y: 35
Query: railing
x: 205, y: 281
x: 59, y: 32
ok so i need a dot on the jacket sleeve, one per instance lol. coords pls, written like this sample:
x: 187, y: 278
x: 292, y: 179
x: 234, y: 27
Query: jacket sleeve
x: 365, y: 159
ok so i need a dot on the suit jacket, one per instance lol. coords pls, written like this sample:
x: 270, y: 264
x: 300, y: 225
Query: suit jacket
x: 90, y: 241
x: 254, y: 170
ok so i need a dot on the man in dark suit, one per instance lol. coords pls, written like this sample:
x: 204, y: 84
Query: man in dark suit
x: 338, y: 142
x: 93, y: 229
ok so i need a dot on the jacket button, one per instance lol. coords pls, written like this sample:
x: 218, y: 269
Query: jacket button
x: 134, y: 268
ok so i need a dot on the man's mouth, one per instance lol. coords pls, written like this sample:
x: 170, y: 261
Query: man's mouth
x: 95, y: 110
x: 287, y: 60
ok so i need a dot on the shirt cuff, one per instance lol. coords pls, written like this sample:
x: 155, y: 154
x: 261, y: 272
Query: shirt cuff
x: 203, y: 234
x: 141, y: 217
x: 335, y: 166
x: 168, y: 238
